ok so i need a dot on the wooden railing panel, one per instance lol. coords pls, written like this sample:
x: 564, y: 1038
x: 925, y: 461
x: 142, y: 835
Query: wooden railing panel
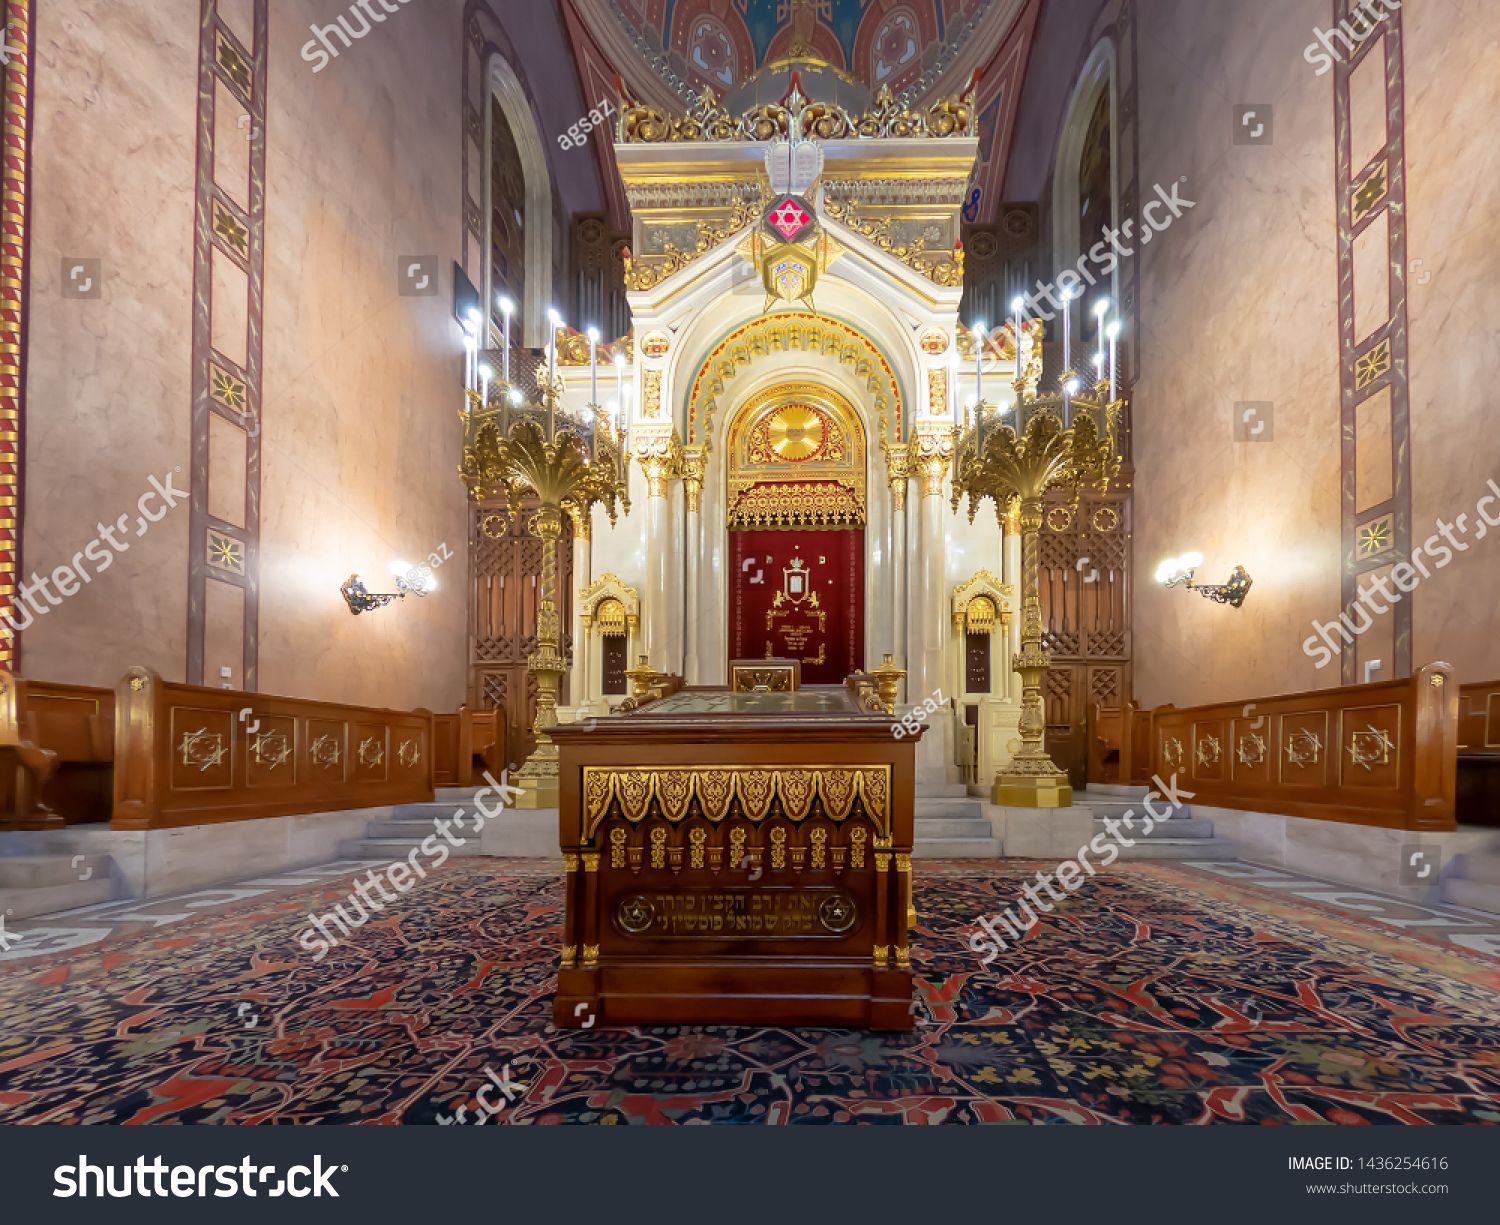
x: 1381, y: 754
x: 1479, y: 718
x: 468, y: 742
x: 191, y: 755
x: 56, y: 753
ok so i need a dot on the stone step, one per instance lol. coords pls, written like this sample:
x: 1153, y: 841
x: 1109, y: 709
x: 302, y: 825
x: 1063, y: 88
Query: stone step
x: 412, y: 830
x: 1111, y: 806
x: 53, y: 899
x: 941, y: 791
x: 1179, y: 848
x: 973, y: 809
x: 1480, y: 866
x: 956, y: 848
x: 1112, y: 791
x: 38, y: 871
x: 1475, y: 894
x: 392, y: 849
x: 1177, y: 827
x: 952, y: 827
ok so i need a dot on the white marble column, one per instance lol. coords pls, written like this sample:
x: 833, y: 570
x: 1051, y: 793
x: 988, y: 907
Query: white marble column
x: 898, y: 473
x: 1010, y: 572
x: 578, y: 685
x: 693, y: 464
x: 660, y: 457
x: 932, y: 570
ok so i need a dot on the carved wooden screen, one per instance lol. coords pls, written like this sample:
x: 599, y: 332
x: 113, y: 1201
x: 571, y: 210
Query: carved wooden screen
x: 505, y: 588
x: 1085, y: 567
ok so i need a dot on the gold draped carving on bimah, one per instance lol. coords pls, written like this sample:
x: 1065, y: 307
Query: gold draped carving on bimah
x: 749, y: 792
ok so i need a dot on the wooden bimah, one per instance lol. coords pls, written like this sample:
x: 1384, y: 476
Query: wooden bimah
x: 737, y: 858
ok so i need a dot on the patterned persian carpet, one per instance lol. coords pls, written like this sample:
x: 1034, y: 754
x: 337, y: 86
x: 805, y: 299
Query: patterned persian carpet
x: 1155, y: 995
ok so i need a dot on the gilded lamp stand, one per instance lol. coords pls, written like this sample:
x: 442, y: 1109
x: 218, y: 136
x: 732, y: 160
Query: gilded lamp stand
x: 1066, y: 441
x: 570, y: 464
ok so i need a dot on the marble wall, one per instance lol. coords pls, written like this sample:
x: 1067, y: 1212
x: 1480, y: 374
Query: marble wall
x: 1239, y: 305
x: 358, y: 432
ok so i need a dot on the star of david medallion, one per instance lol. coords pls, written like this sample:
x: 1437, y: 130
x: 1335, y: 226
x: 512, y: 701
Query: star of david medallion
x: 790, y: 218
x: 636, y: 913
x: 837, y: 913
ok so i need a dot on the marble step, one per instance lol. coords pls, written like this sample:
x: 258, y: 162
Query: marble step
x: 1112, y: 807
x: 1483, y: 867
x: 971, y: 808
x: 1475, y: 894
x: 955, y: 848
x: 941, y: 791
x: 952, y: 827
x: 392, y: 849
x: 1179, y: 848
x: 1177, y: 827
x: 37, y: 900
x: 1111, y: 791
x: 37, y: 871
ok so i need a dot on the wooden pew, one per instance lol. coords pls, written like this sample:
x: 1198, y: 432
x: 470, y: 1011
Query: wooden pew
x: 468, y: 742
x: 191, y: 755
x: 1383, y: 754
x: 1478, y: 796
x: 1108, y: 734
x: 56, y: 753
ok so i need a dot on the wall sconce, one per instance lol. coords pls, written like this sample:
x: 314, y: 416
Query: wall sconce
x: 410, y: 580
x: 1179, y: 571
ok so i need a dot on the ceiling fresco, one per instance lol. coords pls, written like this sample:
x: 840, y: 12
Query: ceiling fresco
x: 668, y: 51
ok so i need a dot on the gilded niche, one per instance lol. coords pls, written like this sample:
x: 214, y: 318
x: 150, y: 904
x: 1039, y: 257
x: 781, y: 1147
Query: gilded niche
x: 797, y: 459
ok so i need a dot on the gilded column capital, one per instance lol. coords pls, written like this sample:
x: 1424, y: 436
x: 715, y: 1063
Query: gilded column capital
x: 931, y: 453
x: 659, y: 452
x: 694, y: 465
x: 898, y: 471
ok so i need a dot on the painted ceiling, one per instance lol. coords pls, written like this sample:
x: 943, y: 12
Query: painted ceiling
x: 668, y: 51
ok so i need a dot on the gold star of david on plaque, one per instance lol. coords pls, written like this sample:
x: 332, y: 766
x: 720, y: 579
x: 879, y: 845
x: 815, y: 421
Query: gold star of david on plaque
x: 636, y: 914
x: 837, y: 913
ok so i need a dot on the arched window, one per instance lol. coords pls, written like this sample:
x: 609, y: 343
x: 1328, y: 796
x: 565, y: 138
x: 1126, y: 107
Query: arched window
x: 519, y: 232
x: 1085, y: 195
x: 507, y: 268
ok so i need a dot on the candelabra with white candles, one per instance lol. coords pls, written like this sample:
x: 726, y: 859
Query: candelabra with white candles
x: 517, y: 445
x: 1065, y: 439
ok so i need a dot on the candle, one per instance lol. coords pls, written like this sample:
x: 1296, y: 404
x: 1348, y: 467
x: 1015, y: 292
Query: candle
x: 593, y: 365
x: 1114, y: 359
x: 979, y: 333
x: 619, y: 385
x: 486, y: 373
x: 554, y: 321
x: 1067, y: 314
x: 506, y: 309
x: 1017, y: 307
x: 1101, y: 308
x: 953, y: 383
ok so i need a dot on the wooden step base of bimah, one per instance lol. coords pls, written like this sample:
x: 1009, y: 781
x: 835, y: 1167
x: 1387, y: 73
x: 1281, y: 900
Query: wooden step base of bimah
x: 733, y: 993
